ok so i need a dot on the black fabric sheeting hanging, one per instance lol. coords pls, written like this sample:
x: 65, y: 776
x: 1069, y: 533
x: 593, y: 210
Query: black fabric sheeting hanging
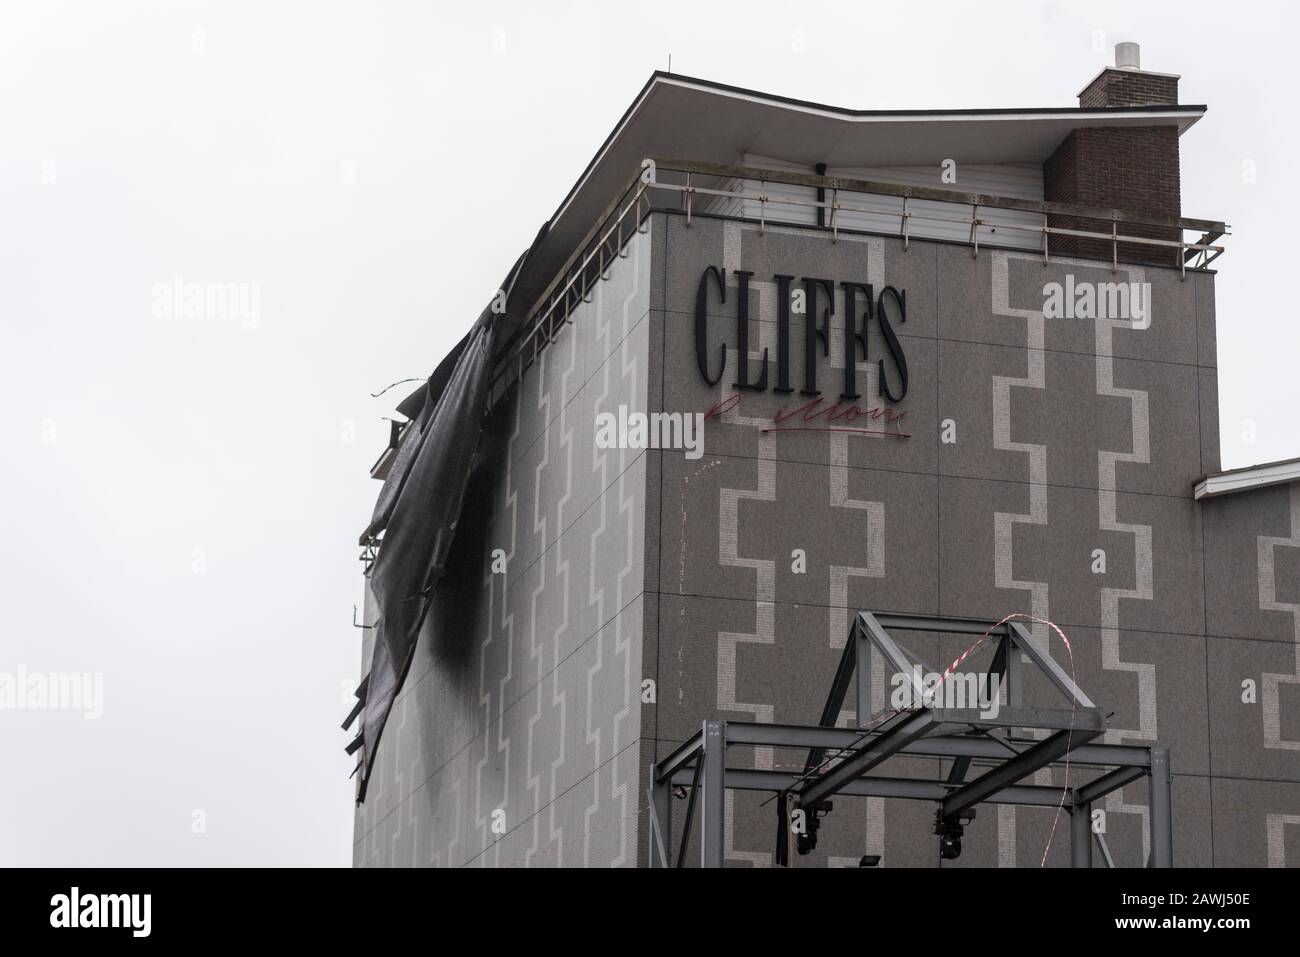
x: 431, y: 393
x: 417, y: 509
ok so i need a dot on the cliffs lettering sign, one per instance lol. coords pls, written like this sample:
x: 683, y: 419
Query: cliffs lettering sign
x: 862, y: 306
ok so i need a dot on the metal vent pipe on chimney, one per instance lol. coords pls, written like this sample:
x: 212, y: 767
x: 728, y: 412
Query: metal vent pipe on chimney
x: 1128, y: 56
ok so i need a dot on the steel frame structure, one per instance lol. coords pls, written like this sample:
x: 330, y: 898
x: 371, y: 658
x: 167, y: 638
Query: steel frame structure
x: 843, y: 760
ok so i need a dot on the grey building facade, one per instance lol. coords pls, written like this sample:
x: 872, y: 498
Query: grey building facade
x: 602, y: 602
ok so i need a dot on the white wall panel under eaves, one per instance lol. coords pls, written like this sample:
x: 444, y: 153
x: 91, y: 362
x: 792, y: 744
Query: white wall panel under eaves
x: 882, y: 214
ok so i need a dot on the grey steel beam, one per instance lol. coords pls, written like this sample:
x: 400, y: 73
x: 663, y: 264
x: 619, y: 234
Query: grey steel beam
x: 1015, y: 678
x: 884, y: 745
x: 1080, y: 834
x: 856, y: 657
x: 957, y: 773
x: 854, y: 660
x: 1105, y: 851
x: 840, y: 683
x: 955, y: 626
x: 894, y: 656
x: 690, y: 811
x: 713, y: 811
x: 1020, y: 635
x: 913, y: 789
x: 935, y: 746
x: 681, y: 757
x: 1162, y: 828
x: 1106, y: 783
x: 1046, y: 719
x: 854, y: 753
x: 839, y: 688
x: 997, y: 669
x: 1024, y: 764
x: 792, y: 735
x: 660, y: 820
x: 858, y: 637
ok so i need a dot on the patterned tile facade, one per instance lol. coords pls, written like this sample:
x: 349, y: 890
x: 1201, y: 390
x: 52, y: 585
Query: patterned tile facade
x: 515, y: 741
x: 1071, y: 436
x: 646, y: 591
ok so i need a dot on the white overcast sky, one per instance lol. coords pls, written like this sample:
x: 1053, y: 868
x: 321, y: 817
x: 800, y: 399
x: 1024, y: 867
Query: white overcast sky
x: 181, y: 501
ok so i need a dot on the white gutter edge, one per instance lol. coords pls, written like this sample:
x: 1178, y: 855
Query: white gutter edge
x: 1239, y: 481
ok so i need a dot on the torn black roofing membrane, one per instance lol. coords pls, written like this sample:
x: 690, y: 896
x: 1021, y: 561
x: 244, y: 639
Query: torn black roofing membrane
x: 417, y: 511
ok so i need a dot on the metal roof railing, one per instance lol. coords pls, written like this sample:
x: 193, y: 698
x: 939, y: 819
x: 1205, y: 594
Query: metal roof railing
x: 624, y: 217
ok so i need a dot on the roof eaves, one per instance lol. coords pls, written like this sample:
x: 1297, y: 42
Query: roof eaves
x: 1245, y: 479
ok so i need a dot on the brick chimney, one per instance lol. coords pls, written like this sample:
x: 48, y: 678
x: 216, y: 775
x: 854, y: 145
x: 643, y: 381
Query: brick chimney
x: 1133, y: 168
x: 1127, y: 84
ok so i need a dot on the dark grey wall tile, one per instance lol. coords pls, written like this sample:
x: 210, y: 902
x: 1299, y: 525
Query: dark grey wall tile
x: 1125, y: 424
x: 1206, y: 328
x: 1211, y: 461
x: 1007, y: 548
x: 1246, y: 534
x: 1256, y: 823
x: 731, y: 527
x: 1258, y: 737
